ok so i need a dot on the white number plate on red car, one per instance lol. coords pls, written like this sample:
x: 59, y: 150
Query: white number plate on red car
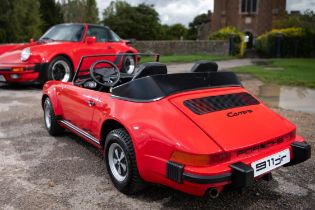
x: 271, y: 162
x: 2, y: 79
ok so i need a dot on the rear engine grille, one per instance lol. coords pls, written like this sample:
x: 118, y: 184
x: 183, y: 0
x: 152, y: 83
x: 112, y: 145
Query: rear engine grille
x: 217, y: 103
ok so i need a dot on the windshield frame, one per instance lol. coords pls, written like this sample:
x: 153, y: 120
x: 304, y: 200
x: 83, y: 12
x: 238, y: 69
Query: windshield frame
x: 43, y: 38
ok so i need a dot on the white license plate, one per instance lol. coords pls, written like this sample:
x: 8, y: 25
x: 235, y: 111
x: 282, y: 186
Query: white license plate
x: 2, y: 79
x: 271, y: 162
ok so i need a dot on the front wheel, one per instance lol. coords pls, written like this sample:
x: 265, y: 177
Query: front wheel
x: 129, y: 65
x: 60, y: 68
x: 50, y: 119
x: 121, y: 163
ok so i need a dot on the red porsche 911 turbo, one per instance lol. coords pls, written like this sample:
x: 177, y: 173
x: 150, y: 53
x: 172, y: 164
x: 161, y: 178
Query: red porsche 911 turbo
x: 56, y: 55
x: 198, y: 132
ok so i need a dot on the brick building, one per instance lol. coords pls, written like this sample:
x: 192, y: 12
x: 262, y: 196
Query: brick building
x: 253, y: 17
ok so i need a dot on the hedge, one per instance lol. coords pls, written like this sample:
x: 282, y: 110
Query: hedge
x: 228, y: 32
x: 294, y: 42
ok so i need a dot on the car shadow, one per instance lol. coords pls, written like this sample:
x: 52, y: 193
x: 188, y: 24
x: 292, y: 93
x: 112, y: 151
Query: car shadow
x: 169, y: 198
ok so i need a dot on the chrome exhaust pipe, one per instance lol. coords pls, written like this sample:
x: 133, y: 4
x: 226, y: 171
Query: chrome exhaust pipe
x: 213, y: 193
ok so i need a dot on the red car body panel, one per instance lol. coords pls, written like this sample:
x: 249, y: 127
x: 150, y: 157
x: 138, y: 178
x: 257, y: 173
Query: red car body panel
x: 9, y: 47
x: 271, y: 126
x: 43, y: 52
x: 160, y: 128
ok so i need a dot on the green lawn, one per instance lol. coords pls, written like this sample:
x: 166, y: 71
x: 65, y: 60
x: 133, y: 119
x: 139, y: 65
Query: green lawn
x: 293, y: 72
x: 188, y: 58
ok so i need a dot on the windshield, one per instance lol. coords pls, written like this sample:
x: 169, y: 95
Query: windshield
x: 73, y: 33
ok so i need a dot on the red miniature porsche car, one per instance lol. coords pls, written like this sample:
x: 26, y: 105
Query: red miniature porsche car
x: 56, y: 55
x: 198, y: 132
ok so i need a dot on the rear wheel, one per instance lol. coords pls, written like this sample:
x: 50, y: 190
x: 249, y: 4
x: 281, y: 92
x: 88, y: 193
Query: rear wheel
x: 51, y: 122
x: 121, y: 163
x: 60, y: 68
x: 129, y: 65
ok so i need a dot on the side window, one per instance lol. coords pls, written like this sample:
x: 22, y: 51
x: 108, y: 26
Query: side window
x: 100, y: 33
x: 114, y: 37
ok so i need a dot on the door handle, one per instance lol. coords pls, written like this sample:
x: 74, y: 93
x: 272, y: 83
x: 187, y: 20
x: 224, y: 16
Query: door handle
x: 91, y: 103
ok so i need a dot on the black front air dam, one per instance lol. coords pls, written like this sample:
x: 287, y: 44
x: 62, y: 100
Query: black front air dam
x: 301, y: 152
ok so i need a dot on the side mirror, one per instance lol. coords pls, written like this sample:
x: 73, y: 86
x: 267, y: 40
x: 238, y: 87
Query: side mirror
x: 130, y: 41
x: 90, y: 39
x: 31, y: 40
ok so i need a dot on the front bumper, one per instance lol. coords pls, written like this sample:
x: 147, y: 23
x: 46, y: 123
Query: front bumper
x: 241, y: 175
x: 31, y: 73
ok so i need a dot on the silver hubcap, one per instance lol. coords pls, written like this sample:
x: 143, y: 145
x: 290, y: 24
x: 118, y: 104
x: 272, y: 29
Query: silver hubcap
x: 130, y: 65
x: 61, y: 71
x: 47, y: 115
x: 117, y: 162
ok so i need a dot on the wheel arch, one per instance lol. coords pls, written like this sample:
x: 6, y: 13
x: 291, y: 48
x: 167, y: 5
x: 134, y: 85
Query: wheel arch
x: 65, y: 56
x: 51, y: 93
x: 43, y: 100
x: 107, y: 126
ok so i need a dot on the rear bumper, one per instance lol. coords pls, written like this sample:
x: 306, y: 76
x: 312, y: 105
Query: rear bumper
x: 241, y: 175
x: 31, y: 74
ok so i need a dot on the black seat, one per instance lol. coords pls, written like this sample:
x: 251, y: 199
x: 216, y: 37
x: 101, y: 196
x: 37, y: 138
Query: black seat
x: 204, y: 66
x: 150, y: 69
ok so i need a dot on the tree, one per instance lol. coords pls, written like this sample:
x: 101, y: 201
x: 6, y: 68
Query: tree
x: 73, y: 10
x: 20, y: 20
x: 91, y: 13
x: 80, y: 11
x: 140, y: 22
x: 4, y: 19
x: 194, y: 26
x: 174, y: 32
x: 306, y: 20
x: 51, y: 13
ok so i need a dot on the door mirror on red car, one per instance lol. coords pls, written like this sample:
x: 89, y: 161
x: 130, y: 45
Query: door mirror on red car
x: 31, y: 40
x: 90, y: 39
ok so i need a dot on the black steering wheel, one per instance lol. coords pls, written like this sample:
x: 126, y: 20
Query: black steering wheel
x: 110, y: 76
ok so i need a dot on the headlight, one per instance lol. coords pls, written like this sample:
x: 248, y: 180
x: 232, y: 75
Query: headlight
x: 26, y: 53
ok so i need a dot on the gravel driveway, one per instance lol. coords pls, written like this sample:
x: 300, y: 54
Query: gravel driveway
x: 42, y: 172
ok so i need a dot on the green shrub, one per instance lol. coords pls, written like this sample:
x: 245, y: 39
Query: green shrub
x: 295, y: 42
x: 228, y: 32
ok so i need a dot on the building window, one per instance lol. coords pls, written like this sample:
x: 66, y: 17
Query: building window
x: 248, y: 6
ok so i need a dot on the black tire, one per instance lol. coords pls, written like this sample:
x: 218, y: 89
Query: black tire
x: 53, y: 128
x: 132, y: 183
x: 129, y: 65
x: 60, y: 68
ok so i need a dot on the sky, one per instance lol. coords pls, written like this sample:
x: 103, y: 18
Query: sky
x: 184, y: 11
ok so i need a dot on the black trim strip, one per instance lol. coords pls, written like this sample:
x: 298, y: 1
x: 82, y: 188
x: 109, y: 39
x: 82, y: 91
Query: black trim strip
x: 5, y: 69
x: 10, y: 69
x: 207, y: 179
x: 83, y: 133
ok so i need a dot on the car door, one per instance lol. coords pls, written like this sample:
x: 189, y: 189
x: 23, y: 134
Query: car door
x: 78, y: 105
x: 101, y: 46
